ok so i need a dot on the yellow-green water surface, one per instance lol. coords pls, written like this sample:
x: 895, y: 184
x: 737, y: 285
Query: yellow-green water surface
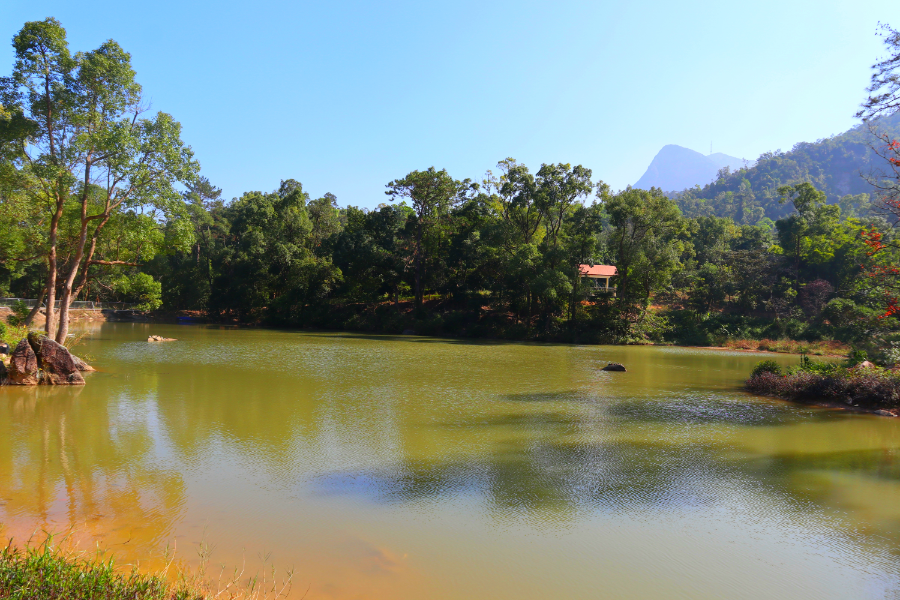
x: 414, y: 468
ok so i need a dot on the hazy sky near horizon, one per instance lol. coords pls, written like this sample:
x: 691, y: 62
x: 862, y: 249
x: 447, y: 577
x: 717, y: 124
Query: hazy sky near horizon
x: 345, y: 96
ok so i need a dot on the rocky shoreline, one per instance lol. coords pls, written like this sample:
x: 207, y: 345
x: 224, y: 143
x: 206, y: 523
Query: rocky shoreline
x: 38, y: 360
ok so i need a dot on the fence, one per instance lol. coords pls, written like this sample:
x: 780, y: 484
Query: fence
x: 76, y: 305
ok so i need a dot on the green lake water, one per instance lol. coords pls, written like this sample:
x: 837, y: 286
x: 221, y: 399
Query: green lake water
x: 411, y: 468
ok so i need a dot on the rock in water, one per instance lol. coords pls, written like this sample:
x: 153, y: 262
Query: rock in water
x: 2, y: 373
x: 23, y: 365
x: 159, y: 338
x: 81, y: 365
x: 55, y: 362
x: 614, y: 367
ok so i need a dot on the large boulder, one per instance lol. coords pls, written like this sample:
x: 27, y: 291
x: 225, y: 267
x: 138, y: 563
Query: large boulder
x: 23, y: 366
x: 614, y: 367
x: 55, y: 361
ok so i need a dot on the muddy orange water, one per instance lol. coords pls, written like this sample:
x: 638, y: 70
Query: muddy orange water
x: 411, y: 468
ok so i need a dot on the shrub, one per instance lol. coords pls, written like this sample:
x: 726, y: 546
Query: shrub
x: 809, y: 366
x: 766, y: 366
x: 856, y: 356
x: 20, y: 313
x: 871, y: 388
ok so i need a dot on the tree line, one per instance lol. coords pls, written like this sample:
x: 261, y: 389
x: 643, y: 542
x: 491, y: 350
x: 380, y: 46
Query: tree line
x: 100, y: 200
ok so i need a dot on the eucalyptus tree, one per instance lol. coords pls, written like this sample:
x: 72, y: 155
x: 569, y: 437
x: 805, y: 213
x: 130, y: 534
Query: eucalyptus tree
x: 86, y: 144
x: 432, y: 194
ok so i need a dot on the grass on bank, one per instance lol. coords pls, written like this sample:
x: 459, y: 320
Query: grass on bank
x: 11, y: 334
x: 50, y: 571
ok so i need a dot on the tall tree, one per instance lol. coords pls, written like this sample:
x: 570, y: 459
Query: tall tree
x: 644, y: 244
x: 432, y: 194
x: 812, y: 216
x: 90, y: 147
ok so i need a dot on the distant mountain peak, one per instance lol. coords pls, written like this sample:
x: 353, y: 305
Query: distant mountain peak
x: 678, y: 168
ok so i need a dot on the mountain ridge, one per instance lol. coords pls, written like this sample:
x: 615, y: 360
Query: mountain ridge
x: 838, y: 165
x: 677, y: 168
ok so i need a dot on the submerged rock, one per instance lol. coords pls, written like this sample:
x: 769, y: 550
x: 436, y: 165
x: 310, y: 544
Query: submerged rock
x: 159, y: 338
x: 55, y: 361
x: 614, y: 367
x: 23, y: 366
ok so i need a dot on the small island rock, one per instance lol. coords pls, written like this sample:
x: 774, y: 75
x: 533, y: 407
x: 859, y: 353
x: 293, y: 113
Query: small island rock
x: 614, y: 367
x: 159, y: 338
x: 55, y: 361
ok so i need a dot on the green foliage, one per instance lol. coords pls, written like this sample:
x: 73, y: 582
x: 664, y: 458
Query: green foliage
x: 92, y: 177
x: 766, y: 366
x: 139, y: 288
x: 42, y: 572
x: 19, y: 313
x: 856, y: 356
x: 808, y: 365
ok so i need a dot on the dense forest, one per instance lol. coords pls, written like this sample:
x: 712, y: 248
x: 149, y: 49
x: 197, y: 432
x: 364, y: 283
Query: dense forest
x: 100, y: 201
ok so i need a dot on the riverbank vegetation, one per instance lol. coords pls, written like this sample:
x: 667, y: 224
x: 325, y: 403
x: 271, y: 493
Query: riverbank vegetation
x: 760, y: 254
x: 46, y: 572
x: 863, y: 385
x: 54, y: 569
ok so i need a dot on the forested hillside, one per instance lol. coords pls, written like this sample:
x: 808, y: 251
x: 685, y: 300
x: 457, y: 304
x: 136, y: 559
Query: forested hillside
x: 839, y: 166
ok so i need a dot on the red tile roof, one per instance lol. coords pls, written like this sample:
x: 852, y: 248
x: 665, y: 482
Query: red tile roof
x: 597, y: 270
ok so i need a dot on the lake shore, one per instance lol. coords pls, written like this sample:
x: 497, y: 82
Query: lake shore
x: 826, y: 348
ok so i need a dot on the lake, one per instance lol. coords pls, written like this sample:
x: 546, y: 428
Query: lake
x: 412, y: 467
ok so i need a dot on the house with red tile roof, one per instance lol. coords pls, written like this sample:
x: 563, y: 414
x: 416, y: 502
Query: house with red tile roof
x: 598, y: 277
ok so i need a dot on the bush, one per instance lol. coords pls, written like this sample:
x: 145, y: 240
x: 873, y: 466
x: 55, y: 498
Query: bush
x: 808, y: 366
x: 870, y: 388
x: 20, y: 313
x: 766, y: 366
x: 856, y: 356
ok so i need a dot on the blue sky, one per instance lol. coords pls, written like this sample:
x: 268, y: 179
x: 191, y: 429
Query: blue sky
x: 345, y: 96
